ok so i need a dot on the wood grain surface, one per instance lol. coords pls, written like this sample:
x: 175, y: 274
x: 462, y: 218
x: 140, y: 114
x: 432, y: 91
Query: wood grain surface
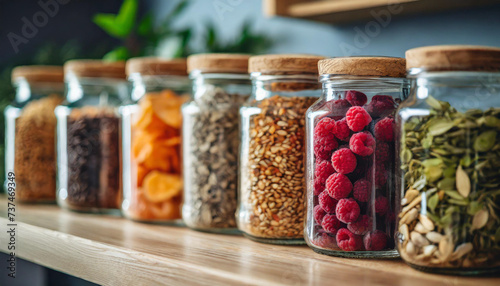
x: 114, y: 251
x: 349, y: 11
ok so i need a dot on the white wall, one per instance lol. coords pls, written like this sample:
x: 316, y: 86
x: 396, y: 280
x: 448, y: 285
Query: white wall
x: 480, y: 26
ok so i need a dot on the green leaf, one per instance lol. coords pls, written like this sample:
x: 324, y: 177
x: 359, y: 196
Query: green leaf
x: 118, y: 54
x: 127, y: 15
x: 474, y: 207
x: 120, y: 25
x: 485, y: 141
x: 433, y: 202
x: 146, y: 25
x: 107, y: 22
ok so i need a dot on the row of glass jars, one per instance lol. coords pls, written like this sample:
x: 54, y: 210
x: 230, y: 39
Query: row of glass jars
x: 358, y: 200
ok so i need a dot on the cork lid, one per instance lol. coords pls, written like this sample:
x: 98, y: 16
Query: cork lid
x: 218, y: 63
x: 95, y: 68
x: 285, y: 64
x: 157, y: 66
x: 39, y: 73
x: 454, y: 58
x: 364, y: 66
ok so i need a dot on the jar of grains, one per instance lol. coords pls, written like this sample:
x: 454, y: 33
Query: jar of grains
x: 211, y: 139
x: 449, y: 138
x: 272, y: 181
x: 151, y: 139
x: 88, y: 155
x: 30, y: 132
x: 351, y: 157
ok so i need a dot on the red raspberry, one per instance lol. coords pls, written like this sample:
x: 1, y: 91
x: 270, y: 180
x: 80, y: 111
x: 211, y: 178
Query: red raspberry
x: 331, y: 224
x: 347, y: 210
x: 318, y: 187
x: 338, y: 107
x: 323, y: 170
x: 380, y: 176
x: 362, y: 143
x: 381, y: 105
x: 383, y: 129
x: 375, y: 241
x: 318, y: 214
x: 362, y: 190
x: 327, y: 203
x: 324, y: 128
x: 338, y: 186
x: 341, y: 130
x: 357, y: 118
x: 381, y: 205
x: 325, y: 240
x: 361, y: 226
x: 344, y: 161
x: 324, y: 146
x: 348, y: 241
x: 356, y: 98
x: 382, y: 153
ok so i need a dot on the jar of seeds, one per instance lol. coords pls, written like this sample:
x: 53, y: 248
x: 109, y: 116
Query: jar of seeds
x: 151, y: 139
x: 449, y: 134
x: 30, y: 132
x: 88, y: 158
x: 272, y: 180
x: 351, y: 157
x: 210, y: 140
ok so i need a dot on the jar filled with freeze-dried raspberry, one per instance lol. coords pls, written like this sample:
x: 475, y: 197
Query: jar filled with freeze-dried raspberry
x: 210, y: 140
x: 151, y: 139
x: 350, y: 157
x: 30, y: 127
x: 88, y: 143
x: 272, y: 180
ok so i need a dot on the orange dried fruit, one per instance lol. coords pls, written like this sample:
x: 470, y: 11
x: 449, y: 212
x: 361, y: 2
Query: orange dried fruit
x: 141, y: 174
x: 167, y: 106
x: 167, y: 210
x: 158, y: 157
x: 159, y: 186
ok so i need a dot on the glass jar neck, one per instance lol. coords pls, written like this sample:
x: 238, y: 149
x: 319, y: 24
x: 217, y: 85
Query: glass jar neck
x: 96, y: 91
x: 334, y: 86
x: 300, y: 85
x: 203, y: 83
x: 27, y: 91
x: 142, y: 84
x: 481, y: 84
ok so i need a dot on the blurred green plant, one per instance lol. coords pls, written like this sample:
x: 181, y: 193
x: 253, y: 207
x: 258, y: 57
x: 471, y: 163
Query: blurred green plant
x: 141, y: 38
x: 247, y: 41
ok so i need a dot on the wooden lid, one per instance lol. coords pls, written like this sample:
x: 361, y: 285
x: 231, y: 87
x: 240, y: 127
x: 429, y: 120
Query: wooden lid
x: 364, y: 66
x: 95, y: 68
x: 285, y: 63
x: 454, y: 58
x: 157, y: 66
x: 39, y: 73
x: 218, y: 63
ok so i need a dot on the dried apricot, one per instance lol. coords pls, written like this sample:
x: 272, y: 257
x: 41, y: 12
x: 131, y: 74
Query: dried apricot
x: 159, y: 186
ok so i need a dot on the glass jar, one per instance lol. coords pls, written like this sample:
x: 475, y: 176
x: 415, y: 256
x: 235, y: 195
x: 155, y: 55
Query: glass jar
x: 272, y: 182
x: 449, y: 212
x: 350, y: 157
x: 151, y: 139
x: 88, y: 157
x: 210, y: 135
x: 30, y: 132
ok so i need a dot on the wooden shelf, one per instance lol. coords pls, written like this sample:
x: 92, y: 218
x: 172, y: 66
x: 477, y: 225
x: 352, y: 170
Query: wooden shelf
x: 343, y: 11
x: 114, y: 251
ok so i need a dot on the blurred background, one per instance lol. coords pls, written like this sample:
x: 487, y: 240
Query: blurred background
x: 54, y: 31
